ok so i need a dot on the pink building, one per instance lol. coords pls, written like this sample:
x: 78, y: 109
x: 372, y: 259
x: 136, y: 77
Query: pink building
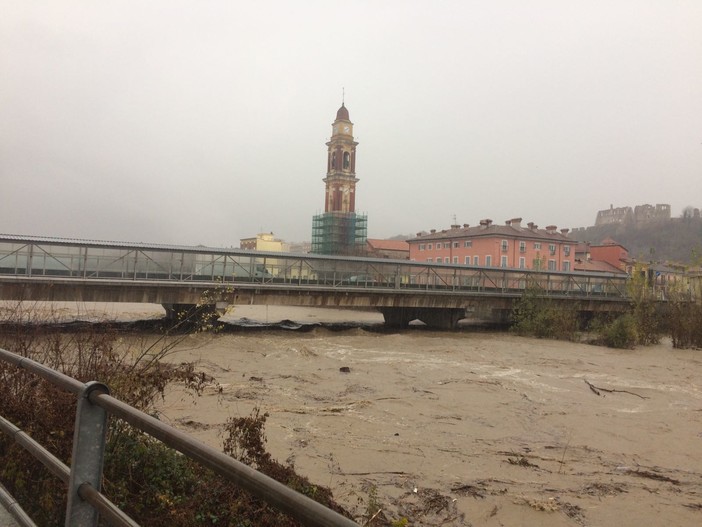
x: 510, y: 246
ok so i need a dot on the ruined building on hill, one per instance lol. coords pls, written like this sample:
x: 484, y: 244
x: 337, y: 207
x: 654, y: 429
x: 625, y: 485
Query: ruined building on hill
x: 638, y: 215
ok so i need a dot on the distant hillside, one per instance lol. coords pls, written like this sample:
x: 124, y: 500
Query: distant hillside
x: 677, y: 239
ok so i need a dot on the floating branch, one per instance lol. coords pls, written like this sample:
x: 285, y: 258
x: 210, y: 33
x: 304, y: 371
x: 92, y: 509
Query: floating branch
x: 596, y: 390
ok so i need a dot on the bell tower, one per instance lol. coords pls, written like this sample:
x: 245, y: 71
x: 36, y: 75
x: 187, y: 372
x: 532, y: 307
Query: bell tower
x: 341, y: 177
x: 339, y: 229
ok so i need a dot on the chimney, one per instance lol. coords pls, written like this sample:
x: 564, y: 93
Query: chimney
x: 433, y: 231
x: 516, y: 222
x: 485, y: 223
x: 531, y: 225
x: 465, y: 225
x: 453, y: 227
x: 551, y: 229
x: 564, y: 232
x: 419, y: 234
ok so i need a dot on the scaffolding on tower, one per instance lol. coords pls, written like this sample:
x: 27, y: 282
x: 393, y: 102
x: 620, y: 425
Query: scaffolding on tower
x: 342, y: 233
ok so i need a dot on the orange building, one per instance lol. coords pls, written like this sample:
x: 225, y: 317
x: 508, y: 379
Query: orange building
x: 487, y: 245
x: 611, y: 252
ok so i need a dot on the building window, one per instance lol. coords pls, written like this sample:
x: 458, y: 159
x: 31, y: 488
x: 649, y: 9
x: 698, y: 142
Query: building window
x: 552, y: 248
x: 566, y: 250
x: 467, y: 260
x: 429, y: 260
x: 522, y: 247
x: 347, y: 160
x: 429, y: 247
x: 503, y: 261
x: 522, y: 262
x: 537, y: 246
x: 476, y: 260
x: 455, y: 245
x: 552, y: 265
x: 447, y: 245
x: 488, y: 260
x: 536, y: 264
x: 438, y: 246
x: 455, y: 259
x: 505, y: 246
x: 421, y: 246
x: 447, y: 260
x: 566, y: 266
x: 468, y: 243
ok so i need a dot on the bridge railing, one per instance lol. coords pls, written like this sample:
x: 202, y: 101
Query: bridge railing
x: 49, y: 258
x: 85, y: 501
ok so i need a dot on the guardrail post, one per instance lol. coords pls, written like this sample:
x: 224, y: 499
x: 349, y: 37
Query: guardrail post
x: 87, y: 457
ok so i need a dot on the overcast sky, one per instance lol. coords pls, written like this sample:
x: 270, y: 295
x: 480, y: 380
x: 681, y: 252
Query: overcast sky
x: 203, y: 122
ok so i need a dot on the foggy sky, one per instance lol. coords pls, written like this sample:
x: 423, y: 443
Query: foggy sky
x: 203, y: 122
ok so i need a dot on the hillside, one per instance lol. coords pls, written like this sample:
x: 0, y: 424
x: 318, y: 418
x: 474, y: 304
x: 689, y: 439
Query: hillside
x: 676, y: 240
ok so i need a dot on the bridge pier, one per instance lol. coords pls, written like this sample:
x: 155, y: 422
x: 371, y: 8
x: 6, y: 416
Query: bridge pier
x: 439, y: 318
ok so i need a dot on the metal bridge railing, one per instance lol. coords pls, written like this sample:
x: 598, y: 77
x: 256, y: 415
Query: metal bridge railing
x: 85, y: 501
x: 52, y: 259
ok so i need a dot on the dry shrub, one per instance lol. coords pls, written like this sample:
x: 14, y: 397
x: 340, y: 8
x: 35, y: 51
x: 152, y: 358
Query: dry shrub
x: 154, y: 484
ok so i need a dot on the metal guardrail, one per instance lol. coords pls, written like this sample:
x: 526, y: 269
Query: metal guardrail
x: 85, y: 502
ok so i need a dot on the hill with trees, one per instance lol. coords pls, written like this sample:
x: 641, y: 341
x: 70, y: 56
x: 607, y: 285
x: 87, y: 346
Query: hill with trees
x: 674, y: 240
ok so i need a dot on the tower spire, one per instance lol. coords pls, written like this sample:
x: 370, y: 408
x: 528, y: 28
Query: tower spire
x: 343, y: 95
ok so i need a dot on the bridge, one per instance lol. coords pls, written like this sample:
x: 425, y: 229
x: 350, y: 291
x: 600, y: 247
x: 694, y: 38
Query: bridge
x: 184, y: 279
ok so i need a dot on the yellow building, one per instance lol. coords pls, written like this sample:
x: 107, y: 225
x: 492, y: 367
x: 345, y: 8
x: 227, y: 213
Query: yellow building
x: 264, y: 241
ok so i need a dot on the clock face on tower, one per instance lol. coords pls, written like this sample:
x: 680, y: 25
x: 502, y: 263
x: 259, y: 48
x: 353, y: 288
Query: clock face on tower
x: 346, y: 129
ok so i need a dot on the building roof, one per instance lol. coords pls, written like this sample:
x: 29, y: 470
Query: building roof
x: 342, y: 113
x: 511, y: 230
x: 609, y: 242
x: 582, y: 248
x: 596, y: 266
x: 388, y: 245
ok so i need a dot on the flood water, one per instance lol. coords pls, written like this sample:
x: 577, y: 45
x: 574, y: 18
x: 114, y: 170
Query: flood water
x: 465, y: 427
x: 458, y: 428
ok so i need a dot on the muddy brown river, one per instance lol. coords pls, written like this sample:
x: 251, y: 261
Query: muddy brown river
x: 467, y: 427
x: 460, y: 428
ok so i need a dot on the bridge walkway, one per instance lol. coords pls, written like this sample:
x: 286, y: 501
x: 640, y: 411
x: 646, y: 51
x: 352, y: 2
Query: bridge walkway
x: 182, y: 278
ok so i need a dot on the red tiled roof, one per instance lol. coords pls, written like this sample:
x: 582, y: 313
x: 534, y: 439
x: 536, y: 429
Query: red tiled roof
x: 388, y: 245
x: 596, y: 266
x: 609, y: 241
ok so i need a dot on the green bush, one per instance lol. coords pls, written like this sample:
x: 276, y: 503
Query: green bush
x: 619, y: 333
x: 542, y: 318
x: 685, y: 324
